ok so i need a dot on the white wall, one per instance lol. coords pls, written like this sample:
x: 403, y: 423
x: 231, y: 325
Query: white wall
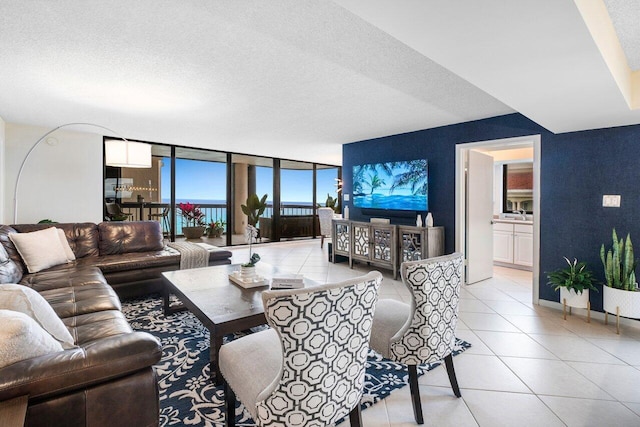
x: 61, y: 182
x: 2, y: 169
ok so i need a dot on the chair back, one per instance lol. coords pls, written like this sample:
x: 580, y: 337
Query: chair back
x: 428, y: 335
x: 113, y: 209
x: 324, y: 332
x: 325, y: 215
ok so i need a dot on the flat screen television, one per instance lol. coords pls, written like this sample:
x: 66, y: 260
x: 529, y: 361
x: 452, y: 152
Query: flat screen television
x: 392, y: 185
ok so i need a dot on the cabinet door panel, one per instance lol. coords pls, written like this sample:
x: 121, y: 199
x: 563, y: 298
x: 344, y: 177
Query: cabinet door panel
x: 360, y: 242
x: 523, y: 249
x: 503, y: 246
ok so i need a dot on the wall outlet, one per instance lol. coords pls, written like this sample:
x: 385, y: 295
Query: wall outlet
x: 611, y: 201
x: 345, y: 197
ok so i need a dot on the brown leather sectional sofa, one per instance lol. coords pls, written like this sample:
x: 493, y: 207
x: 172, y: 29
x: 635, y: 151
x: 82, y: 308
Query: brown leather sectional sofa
x: 108, y: 378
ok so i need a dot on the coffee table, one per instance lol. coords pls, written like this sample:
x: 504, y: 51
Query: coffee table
x: 221, y: 305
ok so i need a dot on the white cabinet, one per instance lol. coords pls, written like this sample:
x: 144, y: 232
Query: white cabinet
x: 513, y: 244
x: 523, y: 244
x: 503, y: 246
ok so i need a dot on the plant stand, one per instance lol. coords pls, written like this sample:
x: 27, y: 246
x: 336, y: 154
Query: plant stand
x: 622, y: 303
x: 572, y: 299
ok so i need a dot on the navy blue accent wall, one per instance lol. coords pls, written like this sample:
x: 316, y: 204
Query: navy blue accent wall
x: 577, y: 168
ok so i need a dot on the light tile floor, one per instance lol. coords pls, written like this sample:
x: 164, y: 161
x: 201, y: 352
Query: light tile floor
x: 526, y: 367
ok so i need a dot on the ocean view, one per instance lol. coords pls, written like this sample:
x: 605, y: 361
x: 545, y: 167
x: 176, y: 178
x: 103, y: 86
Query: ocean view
x: 216, y: 209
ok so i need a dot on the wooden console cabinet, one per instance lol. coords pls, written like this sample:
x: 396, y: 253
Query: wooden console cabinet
x: 385, y: 245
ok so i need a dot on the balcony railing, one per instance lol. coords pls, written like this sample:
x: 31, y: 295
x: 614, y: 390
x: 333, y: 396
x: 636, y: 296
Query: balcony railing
x: 212, y: 212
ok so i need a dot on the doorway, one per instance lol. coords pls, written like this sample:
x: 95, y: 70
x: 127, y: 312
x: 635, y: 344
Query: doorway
x: 462, y: 198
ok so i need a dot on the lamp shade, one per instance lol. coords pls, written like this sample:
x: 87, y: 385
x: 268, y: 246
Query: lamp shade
x: 127, y: 154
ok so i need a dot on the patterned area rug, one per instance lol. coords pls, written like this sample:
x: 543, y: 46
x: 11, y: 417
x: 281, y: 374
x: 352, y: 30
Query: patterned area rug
x: 187, y: 397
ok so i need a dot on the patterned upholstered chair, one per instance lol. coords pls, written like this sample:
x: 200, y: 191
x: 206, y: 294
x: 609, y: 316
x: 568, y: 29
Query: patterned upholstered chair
x: 422, y: 332
x: 308, y: 368
x: 325, y: 215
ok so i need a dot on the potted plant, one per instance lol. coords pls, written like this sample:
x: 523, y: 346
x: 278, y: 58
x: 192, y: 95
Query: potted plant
x: 620, y: 293
x: 333, y: 203
x: 574, y: 283
x: 215, y: 228
x: 193, y: 217
x: 254, y: 208
x: 248, y: 270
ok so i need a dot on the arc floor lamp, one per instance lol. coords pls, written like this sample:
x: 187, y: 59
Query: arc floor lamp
x: 118, y: 152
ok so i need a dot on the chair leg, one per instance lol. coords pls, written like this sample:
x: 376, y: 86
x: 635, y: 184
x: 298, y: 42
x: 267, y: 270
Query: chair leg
x: 355, y: 416
x: 415, y: 393
x: 230, y: 399
x: 448, y: 362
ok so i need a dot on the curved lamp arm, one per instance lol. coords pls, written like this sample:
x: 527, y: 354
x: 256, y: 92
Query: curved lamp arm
x: 42, y: 138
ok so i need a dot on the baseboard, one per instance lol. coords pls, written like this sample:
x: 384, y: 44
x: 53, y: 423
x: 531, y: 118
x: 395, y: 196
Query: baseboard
x: 595, y: 315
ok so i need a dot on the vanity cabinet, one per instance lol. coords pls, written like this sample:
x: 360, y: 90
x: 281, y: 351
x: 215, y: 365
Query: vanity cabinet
x: 385, y: 245
x: 513, y: 244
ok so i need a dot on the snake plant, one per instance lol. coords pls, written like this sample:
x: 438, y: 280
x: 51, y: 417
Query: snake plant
x: 619, y: 264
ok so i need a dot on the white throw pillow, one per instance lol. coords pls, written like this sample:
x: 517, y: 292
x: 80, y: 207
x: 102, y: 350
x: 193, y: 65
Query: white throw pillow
x: 65, y: 245
x: 22, y: 338
x: 39, y: 249
x: 26, y: 300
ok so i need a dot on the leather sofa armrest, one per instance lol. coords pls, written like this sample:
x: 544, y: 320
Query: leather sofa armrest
x: 96, y: 362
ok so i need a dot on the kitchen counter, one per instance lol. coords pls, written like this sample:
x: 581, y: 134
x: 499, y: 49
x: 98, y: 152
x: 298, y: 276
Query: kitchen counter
x: 513, y: 221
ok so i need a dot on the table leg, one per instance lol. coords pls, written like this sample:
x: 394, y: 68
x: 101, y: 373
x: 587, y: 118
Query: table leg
x: 215, y: 342
x: 165, y: 299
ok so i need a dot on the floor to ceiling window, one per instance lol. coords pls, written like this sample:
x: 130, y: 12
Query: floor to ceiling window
x: 218, y: 184
x: 328, y: 186
x: 201, y: 181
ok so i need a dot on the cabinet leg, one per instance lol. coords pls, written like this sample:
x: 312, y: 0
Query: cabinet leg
x: 606, y: 318
x: 588, y: 311
x: 617, y: 320
x: 564, y: 308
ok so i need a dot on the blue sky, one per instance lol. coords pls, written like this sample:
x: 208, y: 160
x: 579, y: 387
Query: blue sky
x: 201, y: 180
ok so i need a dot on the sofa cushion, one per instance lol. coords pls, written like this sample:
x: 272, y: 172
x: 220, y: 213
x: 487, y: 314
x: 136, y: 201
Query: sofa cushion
x: 75, y: 290
x: 10, y: 272
x: 82, y: 236
x: 39, y: 249
x: 21, y: 338
x: 89, y: 327
x: 26, y: 300
x: 137, y: 260
x: 129, y: 236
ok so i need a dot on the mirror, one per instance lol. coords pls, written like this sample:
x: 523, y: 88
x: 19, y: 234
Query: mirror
x: 518, y: 187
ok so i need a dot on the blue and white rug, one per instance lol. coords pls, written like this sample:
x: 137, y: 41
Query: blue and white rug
x: 188, y: 398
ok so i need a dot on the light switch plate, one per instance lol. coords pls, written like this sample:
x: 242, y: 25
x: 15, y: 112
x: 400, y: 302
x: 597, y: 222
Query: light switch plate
x: 611, y: 201
x: 345, y: 197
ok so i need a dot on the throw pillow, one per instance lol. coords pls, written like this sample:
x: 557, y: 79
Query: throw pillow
x: 22, y: 338
x: 9, y: 270
x: 39, y: 249
x: 65, y: 245
x: 26, y: 300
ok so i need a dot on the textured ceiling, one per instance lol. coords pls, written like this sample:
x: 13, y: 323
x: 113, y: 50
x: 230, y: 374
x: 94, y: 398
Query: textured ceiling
x: 625, y: 15
x: 293, y: 79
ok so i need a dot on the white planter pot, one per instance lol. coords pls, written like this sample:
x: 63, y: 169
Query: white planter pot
x: 621, y: 303
x: 627, y: 302
x: 247, y: 273
x: 574, y: 299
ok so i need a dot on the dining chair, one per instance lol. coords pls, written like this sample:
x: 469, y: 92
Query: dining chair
x: 325, y: 215
x: 115, y: 212
x: 308, y: 368
x: 423, y: 331
x: 164, y: 215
